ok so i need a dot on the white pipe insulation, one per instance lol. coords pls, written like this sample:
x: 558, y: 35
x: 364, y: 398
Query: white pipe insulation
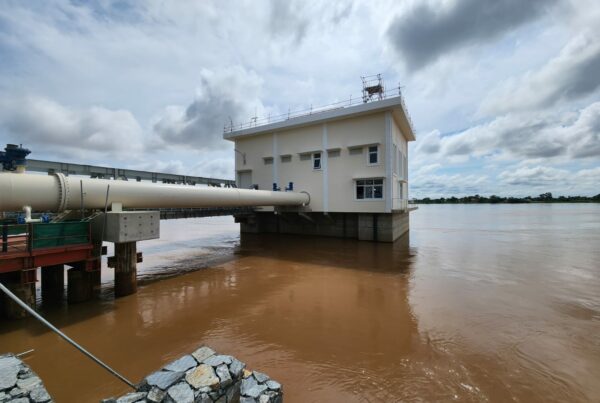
x: 59, y: 192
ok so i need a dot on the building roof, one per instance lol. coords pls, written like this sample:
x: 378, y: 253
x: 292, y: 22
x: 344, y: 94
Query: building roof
x: 394, y: 104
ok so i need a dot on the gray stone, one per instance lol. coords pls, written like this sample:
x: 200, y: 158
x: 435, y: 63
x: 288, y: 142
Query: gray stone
x: 246, y: 399
x: 20, y: 400
x: 223, y: 374
x: 9, y: 369
x: 39, y: 394
x: 236, y: 368
x: 273, y: 385
x: 202, y: 376
x: 8, y: 378
x: 216, y: 360
x: 25, y: 372
x: 222, y: 399
x: 203, y: 353
x: 16, y: 392
x: 181, y: 393
x: 182, y: 364
x: 248, y: 383
x: 260, y: 377
x: 264, y: 399
x: 233, y: 392
x: 3, y: 396
x: 156, y: 395
x: 28, y: 384
x: 215, y: 395
x: 9, y: 360
x: 251, y: 388
x: 202, y: 398
x: 131, y: 397
x: 164, y: 379
x: 109, y: 400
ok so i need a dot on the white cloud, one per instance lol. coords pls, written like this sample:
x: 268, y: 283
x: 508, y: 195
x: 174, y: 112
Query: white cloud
x: 572, y: 74
x: 523, y: 135
x: 230, y: 95
x: 561, y: 181
x: 41, y: 122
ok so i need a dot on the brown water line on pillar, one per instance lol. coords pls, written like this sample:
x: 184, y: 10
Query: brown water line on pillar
x: 125, y: 268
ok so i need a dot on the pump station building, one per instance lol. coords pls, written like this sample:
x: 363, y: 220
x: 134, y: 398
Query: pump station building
x: 350, y: 159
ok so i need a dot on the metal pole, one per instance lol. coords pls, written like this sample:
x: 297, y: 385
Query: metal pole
x: 105, y: 211
x: 81, y: 187
x: 4, y: 237
x: 64, y: 336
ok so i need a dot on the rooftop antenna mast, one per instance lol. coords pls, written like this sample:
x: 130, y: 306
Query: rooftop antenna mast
x: 372, y: 88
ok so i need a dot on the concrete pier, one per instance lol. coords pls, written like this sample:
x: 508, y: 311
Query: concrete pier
x: 125, y: 264
x: 82, y: 285
x: 25, y: 291
x: 53, y: 283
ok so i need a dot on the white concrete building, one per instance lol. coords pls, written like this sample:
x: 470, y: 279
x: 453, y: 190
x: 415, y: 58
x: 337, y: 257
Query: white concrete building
x: 351, y: 160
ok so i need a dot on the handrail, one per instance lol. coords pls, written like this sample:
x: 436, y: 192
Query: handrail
x: 256, y: 121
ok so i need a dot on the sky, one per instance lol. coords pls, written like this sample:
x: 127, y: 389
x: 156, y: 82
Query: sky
x: 504, y: 95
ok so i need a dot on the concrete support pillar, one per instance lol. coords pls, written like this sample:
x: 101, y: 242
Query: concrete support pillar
x: 80, y: 285
x: 53, y: 283
x: 125, y: 268
x: 26, y: 292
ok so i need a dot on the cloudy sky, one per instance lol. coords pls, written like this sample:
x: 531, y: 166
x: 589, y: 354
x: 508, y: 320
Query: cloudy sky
x: 504, y: 94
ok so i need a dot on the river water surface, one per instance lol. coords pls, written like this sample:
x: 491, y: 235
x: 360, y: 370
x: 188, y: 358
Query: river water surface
x: 479, y: 303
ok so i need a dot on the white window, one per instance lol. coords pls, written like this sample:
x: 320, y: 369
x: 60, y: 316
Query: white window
x: 373, y: 155
x: 316, y: 160
x: 369, y: 189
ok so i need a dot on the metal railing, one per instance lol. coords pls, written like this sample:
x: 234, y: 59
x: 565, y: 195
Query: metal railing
x: 17, y: 238
x: 352, y: 101
x: 399, y: 204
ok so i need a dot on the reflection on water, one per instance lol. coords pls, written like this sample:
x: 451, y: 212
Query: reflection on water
x: 481, y: 303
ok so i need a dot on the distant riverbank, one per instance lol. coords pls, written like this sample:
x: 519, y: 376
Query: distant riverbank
x: 477, y: 199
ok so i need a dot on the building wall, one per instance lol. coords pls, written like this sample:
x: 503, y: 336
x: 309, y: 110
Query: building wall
x: 400, y: 168
x: 344, y: 158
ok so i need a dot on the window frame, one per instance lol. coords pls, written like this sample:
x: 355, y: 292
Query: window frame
x: 319, y: 158
x: 369, y: 188
x: 369, y: 152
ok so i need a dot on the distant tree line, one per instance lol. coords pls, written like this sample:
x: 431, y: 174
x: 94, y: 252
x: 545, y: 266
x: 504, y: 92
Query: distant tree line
x: 543, y: 198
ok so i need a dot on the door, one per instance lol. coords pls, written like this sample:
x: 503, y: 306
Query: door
x: 244, y: 179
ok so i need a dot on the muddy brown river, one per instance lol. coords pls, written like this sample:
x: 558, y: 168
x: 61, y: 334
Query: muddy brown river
x: 479, y: 303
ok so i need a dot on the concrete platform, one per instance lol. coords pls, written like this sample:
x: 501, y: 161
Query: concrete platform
x: 378, y: 227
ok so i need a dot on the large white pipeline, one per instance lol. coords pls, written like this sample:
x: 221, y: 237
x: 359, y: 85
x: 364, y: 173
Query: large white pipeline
x: 58, y: 193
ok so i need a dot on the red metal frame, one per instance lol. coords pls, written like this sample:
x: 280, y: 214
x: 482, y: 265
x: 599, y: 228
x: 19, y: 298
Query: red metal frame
x: 44, y: 257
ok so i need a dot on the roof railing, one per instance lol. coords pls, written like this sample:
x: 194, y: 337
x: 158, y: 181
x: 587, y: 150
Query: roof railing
x: 352, y: 101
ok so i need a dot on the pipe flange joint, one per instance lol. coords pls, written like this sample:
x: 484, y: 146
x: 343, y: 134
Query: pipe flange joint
x: 63, y: 195
x: 308, y: 194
